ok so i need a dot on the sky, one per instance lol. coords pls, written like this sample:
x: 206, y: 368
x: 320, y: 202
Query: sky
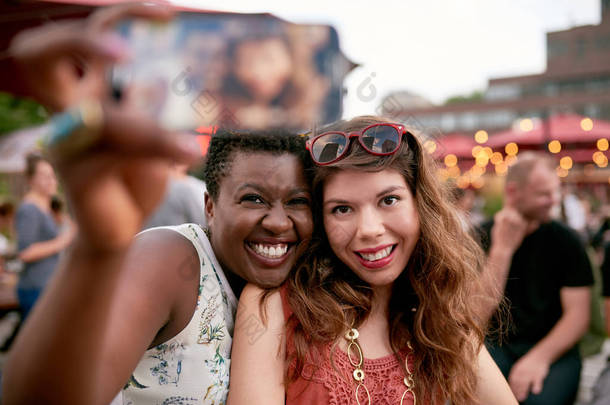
x: 434, y: 48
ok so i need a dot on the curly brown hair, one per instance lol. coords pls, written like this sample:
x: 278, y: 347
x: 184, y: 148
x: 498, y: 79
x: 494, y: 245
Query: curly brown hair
x: 434, y: 302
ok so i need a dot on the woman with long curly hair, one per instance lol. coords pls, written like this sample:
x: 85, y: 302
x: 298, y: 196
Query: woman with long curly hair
x: 385, y: 307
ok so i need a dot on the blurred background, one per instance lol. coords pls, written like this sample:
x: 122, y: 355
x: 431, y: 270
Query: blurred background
x: 472, y: 77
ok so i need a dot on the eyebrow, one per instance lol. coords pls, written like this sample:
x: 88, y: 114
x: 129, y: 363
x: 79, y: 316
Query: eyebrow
x: 389, y: 190
x: 381, y: 193
x: 262, y: 190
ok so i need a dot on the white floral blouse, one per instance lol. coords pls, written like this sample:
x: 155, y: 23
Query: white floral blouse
x: 193, y: 367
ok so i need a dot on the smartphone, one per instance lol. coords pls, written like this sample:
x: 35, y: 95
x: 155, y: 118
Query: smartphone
x: 242, y: 71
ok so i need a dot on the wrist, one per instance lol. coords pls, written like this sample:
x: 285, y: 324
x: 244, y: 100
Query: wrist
x: 501, y: 252
x: 81, y: 249
x: 540, y: 354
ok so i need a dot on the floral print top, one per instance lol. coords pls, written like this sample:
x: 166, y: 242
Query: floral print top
x: 192, y: 367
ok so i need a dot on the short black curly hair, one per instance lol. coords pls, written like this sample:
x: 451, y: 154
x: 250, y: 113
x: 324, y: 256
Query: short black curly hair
x: 225, y: 143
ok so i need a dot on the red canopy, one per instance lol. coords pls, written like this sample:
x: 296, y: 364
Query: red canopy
x: 459, y: 144
x: 566, y: 128
x: 581, y: 155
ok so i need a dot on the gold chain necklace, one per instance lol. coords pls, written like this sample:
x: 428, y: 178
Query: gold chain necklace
x: 351, y: 336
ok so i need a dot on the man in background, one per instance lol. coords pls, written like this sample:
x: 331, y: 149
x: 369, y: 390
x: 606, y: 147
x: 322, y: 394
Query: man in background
x: 540, y: 266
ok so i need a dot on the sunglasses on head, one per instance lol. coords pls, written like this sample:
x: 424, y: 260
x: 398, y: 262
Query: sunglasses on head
x: 376, y: 139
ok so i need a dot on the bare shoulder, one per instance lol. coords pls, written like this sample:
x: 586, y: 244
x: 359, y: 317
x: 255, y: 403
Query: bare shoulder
x: 163, y: 253
x: 161, y: 276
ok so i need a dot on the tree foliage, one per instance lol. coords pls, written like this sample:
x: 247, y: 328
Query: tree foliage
x: 17, y: 113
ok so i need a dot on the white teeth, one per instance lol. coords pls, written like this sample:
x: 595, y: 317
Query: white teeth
x: 270, y: 251
x: 371, y: 257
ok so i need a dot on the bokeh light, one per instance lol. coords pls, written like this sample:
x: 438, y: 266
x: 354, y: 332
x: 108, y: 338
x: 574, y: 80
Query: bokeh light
x: 481, y: 136
x: 481, y: 160
x: 462, y: 182
x: 477, y: 170
x: 496, y: 158
x: 566, y: 162
x: 453, y: 171
x: 476, y: 150
x: 511, y: 149
x: 450, y: 160
x: 602, y: 144
x: 555, y: 146
x: 561, y: 172
x: 586, y: 124
x: 479, y: 182
x: 600, y: 159
x: 526, y: 124
x: 501, y: 169
x: 510, y: 160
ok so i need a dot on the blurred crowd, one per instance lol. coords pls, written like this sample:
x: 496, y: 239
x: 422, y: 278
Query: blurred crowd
x: 35, y: 231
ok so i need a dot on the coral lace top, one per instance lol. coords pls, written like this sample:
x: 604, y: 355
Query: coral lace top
x: 326, y: 382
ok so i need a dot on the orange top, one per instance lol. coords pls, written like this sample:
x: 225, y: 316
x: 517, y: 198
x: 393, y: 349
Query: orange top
x: 331, y: 382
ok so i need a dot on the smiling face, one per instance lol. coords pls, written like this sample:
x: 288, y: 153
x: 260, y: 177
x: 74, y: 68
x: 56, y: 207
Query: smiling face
x: 372, y: 223
x: 262, y: 212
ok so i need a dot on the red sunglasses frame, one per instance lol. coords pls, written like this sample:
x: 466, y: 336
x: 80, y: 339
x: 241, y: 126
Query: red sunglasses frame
x: 349, y: 136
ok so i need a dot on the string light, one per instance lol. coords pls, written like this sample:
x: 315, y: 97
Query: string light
x: 481, y: 136
x: 554, y: 146
x: 462, y: 182
x: 561, y: 172
x: 479, y: 182
x: 454, y: 171
x: 496, y: 158
x: 476, y: 150
x: 450, y: 160
x: 510, y: 160
x: 511, y: 149
x: 586, y: 124
x: 526, y: 124
x: 481, y: 160
x: 477, y: 171
x: 501, y: 169
x: 600, y: 159
x: 566, y: 162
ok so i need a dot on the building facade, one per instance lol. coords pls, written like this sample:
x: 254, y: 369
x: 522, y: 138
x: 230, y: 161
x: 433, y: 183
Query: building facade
x: 576, y: 80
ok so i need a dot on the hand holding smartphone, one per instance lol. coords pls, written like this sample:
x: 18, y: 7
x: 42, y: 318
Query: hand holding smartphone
x: 236, y: 70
